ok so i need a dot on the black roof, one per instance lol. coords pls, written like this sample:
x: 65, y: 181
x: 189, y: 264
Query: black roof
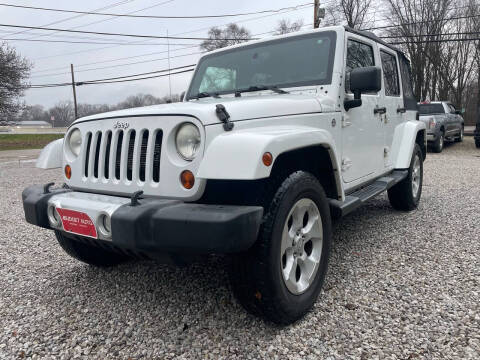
x: 372, y: 36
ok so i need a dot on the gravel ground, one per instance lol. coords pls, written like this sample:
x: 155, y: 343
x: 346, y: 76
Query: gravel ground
x: 400, y: 286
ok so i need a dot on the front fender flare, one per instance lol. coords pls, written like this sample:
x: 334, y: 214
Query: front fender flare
x: 51, y: 156
x: 238, y: 155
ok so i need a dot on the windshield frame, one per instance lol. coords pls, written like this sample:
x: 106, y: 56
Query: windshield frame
x: 328, y: 80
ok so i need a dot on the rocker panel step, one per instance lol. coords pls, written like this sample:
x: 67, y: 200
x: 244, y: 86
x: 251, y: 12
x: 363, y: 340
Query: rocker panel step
x: 357, y: 198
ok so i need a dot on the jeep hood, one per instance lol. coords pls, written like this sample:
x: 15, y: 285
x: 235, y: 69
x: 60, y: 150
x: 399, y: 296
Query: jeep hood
x: 242, y: 108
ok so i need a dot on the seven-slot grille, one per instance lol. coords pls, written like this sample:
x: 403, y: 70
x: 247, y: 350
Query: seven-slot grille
x: 123, y: 155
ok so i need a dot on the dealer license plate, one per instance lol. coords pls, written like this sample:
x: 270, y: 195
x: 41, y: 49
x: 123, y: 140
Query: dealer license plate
x: 77, y: 222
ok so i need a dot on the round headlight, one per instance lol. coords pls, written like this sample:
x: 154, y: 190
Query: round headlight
x: 188, y: 141
x: 75, y: 141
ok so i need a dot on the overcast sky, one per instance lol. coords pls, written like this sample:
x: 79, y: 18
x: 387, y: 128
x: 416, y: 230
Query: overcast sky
x: 52, y: 60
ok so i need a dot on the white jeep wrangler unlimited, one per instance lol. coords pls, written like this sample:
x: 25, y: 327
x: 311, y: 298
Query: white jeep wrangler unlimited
x: 273, y: 139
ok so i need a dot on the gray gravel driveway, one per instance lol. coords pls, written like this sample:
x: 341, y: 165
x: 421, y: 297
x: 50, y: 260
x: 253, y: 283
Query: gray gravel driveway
x: 400, y: 286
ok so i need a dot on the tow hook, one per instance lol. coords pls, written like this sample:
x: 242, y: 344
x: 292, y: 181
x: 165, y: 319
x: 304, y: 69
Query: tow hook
x: 134, y: 199
x: 224, y: 117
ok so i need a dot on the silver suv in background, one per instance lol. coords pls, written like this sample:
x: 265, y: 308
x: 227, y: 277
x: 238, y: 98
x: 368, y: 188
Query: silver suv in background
x: 443, y: 122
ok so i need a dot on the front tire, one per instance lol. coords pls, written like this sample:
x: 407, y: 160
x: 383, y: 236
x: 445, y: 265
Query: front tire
x: 405, y: 195
x: 89, y: 254
x: 281, y: 276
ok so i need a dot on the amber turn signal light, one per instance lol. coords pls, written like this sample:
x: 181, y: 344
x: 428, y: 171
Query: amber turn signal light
x: 68, y: 171
x: 187, y: 179
x: 267, y: 159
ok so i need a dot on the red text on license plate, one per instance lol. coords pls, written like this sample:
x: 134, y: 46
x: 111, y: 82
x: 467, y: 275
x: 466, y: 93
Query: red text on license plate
x: 77, y: 222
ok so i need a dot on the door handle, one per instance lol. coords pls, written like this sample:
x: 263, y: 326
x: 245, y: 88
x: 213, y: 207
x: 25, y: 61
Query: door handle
x: 401, y: 110
x: 380, y: 110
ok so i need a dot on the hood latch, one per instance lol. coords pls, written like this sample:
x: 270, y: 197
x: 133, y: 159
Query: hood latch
x: 224, y: 117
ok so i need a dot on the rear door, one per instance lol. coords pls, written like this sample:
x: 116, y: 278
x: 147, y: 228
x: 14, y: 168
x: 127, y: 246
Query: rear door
x: 391, y: 98
x: 362, y: 133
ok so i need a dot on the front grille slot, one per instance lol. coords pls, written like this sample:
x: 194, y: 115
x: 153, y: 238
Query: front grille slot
x: 131, y: 148
x: 127, y: 156
x: 143, y: 156
x: 157, y: 150
x: 97, y: 154
x: 107, y: 155
x: 87, y: 152
x: 118, y: 155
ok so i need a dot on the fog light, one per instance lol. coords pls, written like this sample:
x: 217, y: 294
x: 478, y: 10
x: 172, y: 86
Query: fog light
x: 53, y: 216
x: 187, y: 179
x: 68, y: 172
x: 105, y: 225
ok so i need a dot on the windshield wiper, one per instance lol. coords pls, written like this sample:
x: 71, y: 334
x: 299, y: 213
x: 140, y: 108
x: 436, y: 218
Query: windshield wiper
x: 204, y: 95
x: 273, y: 88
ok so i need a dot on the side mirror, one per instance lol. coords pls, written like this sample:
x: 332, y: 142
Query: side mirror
x: 458, y: 112
x: 364, y: 79
x: 182, y: 96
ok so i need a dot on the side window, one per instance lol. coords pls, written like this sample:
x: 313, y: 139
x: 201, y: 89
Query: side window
x: 390, y: 74
x: 452, y: 108
x: 358, y: 55
x: 409, y: 98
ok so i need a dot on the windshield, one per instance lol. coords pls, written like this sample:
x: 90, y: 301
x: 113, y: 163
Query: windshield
x: 296, y: 61
x: 429, y: 109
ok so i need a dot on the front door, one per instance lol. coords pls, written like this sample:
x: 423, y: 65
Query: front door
x: 363, y: 132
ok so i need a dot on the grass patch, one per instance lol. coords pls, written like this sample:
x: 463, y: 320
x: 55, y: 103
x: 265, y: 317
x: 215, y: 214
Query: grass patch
x: 26, y: 141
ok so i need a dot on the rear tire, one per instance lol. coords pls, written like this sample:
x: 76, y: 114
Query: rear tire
x: 89, y: 254
x: 405, y: 195
x: 281, y: 276
x: 439, y: 143
x: 460, y: 136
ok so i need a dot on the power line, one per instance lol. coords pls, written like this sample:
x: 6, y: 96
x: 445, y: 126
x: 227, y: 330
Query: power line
x: 433, y: 41
x: 119, y: 65
x: 78, y: 16
x: 106, y: 33
x: 96, y: 42
x: 429, y: 35
x: 153, y: 16
x: 299, y: 7
x: 420, y: 22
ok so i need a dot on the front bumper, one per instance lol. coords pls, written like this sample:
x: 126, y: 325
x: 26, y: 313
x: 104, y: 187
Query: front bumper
x: 154, y: 226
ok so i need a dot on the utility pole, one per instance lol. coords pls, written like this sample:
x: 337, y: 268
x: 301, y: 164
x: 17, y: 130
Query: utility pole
x: 319, y: 14
x: 169, y: 76
x: 74, y: 92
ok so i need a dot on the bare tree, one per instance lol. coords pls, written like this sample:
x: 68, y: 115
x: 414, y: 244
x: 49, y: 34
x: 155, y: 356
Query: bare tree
x: 14, y: 70
x: 285, y: 26
x: 354, y: 13
x: 63, y: 113
x: 220, y: 38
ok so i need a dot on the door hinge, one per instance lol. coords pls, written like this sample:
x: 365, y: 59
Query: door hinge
x: 346, y: 164
x: 345, y: 123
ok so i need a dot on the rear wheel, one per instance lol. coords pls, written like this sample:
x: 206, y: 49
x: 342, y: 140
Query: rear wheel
x: 92, y: 255
x: 406, y: 194
x: 439, y: 143
x: 459, y: 138
x: 281, y: 276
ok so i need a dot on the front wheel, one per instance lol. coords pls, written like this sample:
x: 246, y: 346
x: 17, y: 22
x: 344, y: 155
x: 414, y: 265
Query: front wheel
x: 281, y: 276
x: 406, y: 194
